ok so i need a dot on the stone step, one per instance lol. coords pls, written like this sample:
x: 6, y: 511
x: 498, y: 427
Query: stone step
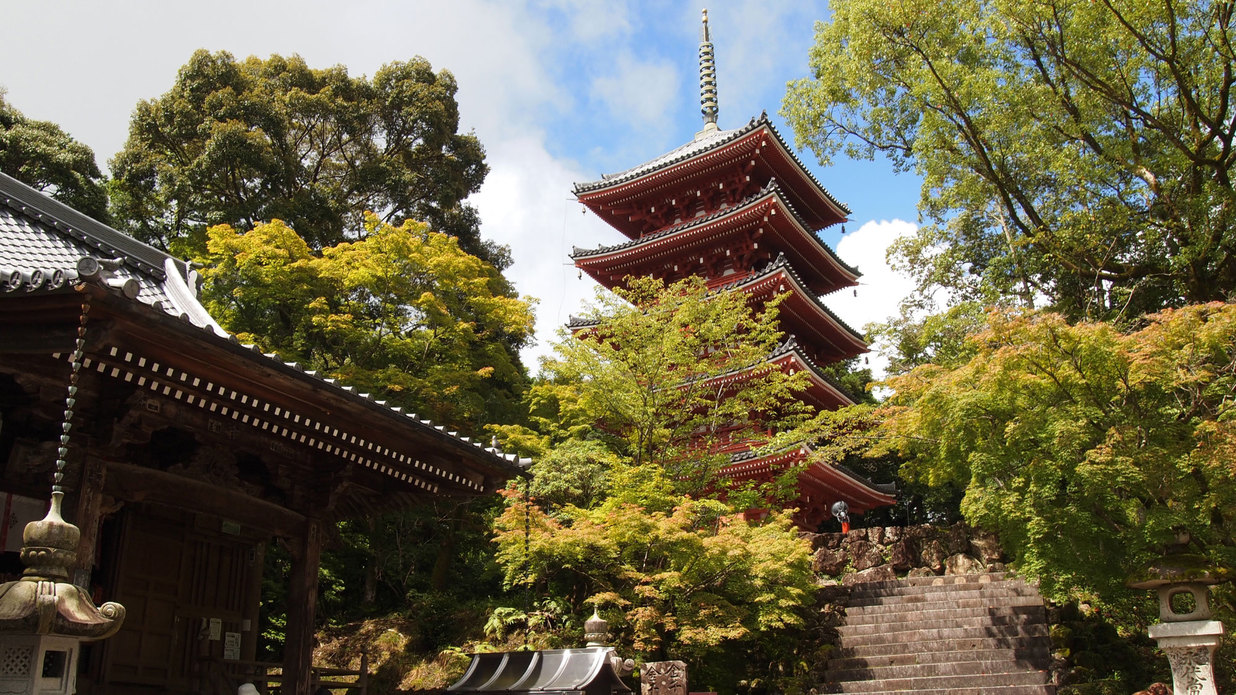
x: 935, y: 583
x: 982, y: 690
x: 882, y: 611
x: 937, y: 579
x: 911, y: 638
x: 910, y: 623
x: 954, y: 668
x: 1028, y: 657
x: 950, y: 684
x: 934, y: 579
x: 1019, y: 645
x: 962, y: 635
x: 943, y: 593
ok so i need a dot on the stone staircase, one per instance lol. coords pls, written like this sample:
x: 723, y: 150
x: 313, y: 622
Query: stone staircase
x: 975, y: 634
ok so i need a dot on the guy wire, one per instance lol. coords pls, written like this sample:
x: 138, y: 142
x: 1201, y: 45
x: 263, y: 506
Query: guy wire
x: 527, y: 561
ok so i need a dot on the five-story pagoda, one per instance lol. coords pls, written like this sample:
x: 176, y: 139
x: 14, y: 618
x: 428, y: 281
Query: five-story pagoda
x: 737, y: 208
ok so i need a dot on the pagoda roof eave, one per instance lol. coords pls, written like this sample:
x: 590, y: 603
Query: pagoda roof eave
x: 788, y: 351
x: 859, y: 493
x: 770, y: 195
x: 821, y: 382
x: 781, y: 267
x: 679, y: 157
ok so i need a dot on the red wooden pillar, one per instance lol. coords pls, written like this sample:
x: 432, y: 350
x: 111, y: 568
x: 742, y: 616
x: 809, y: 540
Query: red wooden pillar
x: 302, y: 605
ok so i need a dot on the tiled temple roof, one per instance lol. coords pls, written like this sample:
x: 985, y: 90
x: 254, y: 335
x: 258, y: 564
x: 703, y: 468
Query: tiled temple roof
x: 46, y: 246
x: 708, y: 141
x: 772, y: 188
x: 781, y: 263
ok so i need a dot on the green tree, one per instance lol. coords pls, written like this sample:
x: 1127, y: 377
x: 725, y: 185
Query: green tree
x: 44, y: 157
x: 692, y: 582
x: 242, y: 142
x: 1075, y: 150
x: 942, y: 338
x: 403, y: 313
x: 1085, y: 448
x: 654, y: 378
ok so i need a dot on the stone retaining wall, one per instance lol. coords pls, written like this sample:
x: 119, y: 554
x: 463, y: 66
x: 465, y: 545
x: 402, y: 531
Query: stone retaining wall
x: 883, y: 553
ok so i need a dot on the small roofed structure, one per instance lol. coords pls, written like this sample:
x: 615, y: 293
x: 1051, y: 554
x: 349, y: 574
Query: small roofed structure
x: 43, y: 617
x: 593, y: 670
x: 1187, y: 633
x: 587, y: 671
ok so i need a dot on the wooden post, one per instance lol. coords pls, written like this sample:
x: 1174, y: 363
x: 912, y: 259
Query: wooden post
x: 89, y: 512
x: 302, y: 604
x: 253, y: 603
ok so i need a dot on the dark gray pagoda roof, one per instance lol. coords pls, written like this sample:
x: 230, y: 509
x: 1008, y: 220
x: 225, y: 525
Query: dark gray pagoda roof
x: 772, y: 188
x: 706, y: 142
x: 787, y: 346
x: 43, y: 243
x: 790, y: 346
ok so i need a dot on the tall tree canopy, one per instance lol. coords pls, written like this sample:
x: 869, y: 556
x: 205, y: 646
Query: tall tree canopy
x: 242, y: 142
x: 403, y: 312
x: 1078, y: 150
x: 1086, y: 448
x: 653, y: 377
x: 42, y: 156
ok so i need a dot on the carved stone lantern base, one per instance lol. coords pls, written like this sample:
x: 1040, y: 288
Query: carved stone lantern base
x: 1190, y: 648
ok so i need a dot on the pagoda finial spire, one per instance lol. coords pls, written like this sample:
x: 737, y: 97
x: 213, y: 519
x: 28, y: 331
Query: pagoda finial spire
x: 708, y: 79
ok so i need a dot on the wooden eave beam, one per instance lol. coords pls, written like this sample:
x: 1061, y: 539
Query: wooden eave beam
x: 392, y: 444
x: 134, y: 483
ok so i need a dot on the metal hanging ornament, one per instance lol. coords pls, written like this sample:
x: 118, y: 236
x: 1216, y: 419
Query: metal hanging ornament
x: 70, y: 400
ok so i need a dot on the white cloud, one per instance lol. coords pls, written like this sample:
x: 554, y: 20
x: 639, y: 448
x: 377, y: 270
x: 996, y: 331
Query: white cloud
x: 881, y: 288
x: 642, y: 91
x: 593, y: 19
x: 527, y: 203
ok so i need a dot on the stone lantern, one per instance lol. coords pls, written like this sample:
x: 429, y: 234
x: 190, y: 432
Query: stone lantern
x: 1187, y: 635
x: 43, y: 617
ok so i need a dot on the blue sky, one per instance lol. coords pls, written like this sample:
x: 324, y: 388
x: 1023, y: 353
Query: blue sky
x: 558, y: 92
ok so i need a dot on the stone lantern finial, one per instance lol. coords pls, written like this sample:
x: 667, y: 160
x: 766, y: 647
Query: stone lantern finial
x: 43, y: 602
x: 596, y: 630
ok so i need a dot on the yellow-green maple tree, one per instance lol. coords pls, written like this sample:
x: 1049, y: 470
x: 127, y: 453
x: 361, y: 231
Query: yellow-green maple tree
x: 402, y: 313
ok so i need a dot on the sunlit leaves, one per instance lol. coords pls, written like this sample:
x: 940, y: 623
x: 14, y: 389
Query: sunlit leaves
x: 658, y: 374
x: 403, y: 313
x: 1072, y: 152
x: 1084, y: 447
x: 682, y: 582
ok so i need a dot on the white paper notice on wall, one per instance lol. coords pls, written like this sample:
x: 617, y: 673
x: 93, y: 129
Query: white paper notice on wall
x: 231, y: 646
x: 216, y: 629
x: 18, y: 511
